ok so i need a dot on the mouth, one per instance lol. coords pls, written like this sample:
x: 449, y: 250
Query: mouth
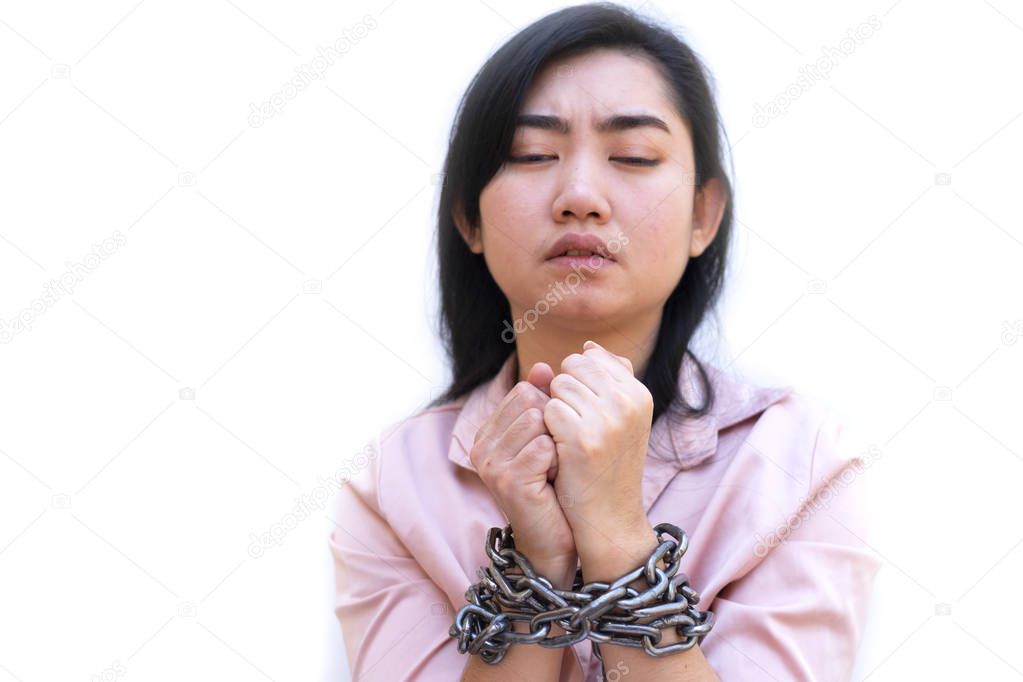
x: 581, y: 253
x: 579, y: 246
x: 580, y: 258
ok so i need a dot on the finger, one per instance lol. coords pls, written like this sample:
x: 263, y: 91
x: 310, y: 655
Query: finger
x: 526, y: 427
x: 573, y: 392
x: 563, y: 423
x: 615, y: 363
x: 591, y: 372
x: 540, y: 375
x: 537, y: 455
x: 521, y: 397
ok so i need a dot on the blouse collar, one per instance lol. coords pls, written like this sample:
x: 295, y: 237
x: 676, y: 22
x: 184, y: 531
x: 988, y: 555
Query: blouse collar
x: 676, y: 443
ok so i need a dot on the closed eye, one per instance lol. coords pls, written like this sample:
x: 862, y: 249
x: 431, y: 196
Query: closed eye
x: 637, y: 160
x: 530, y: 158
x: 633, y: 160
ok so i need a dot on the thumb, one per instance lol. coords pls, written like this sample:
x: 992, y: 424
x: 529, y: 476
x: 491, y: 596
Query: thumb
x: 540, y: 375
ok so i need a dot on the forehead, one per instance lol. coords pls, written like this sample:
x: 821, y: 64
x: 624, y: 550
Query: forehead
x: 591, y: 86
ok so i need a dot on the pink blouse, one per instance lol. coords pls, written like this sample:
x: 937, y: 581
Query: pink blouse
x: 771, y: 496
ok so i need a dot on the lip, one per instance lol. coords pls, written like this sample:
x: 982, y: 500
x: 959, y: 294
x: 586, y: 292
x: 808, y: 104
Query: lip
x: 581, y: 262
x: 577, y: 240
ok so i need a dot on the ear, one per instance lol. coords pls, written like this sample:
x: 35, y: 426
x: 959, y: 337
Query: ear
x: 471, y: 237
x: 708, y: 209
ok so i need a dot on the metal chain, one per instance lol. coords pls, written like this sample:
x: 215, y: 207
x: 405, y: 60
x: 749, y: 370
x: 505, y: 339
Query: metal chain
x: 509, y: 590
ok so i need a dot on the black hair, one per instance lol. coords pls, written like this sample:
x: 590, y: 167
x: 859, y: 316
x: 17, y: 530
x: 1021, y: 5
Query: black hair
x: 473, y: 308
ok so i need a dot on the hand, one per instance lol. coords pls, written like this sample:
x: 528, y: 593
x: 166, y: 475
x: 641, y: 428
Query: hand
x: 599, y: 416
x: 516, y: 459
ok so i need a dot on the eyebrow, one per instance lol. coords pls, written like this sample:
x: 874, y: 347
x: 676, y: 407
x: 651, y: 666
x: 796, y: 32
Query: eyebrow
x: 612, y: 124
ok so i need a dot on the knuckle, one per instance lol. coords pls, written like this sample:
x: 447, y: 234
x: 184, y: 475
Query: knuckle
x: 588, y: 444
x: 571, y: 360
x: 523, y: 388
x: 534, y: 397
x: 621, y: 397
x: 533, y: 416
x: 642, y: 398
x: 485, y: 469
x: 526, y: 394
x: 544, y: 442
x: 538, y: 449
x: 531, y: 447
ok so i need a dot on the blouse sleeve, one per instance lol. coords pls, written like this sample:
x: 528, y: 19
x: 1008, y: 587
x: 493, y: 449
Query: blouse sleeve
x: 799, y: 613
x: 394, y: 619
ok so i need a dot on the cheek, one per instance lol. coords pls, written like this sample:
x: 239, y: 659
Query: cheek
x: 512, y: 204
x: 513, y: 221
x: 505, y: 242
x: 661, y: 240
x: 664, y: 217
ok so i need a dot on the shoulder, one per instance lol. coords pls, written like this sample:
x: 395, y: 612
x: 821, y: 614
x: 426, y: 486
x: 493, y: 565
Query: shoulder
x: 774, y: 473
x: 796, y: 429
x: 778, y: 417
x: 750, y: 425
x: 810, y: 435
x: 791, y: 422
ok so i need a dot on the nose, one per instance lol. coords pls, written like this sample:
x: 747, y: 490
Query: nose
x: 581, y: 194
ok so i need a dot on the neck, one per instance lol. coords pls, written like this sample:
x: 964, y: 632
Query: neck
x: 551, y: 343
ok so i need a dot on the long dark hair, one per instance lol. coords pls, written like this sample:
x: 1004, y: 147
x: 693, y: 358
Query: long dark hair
x: 473, y: 307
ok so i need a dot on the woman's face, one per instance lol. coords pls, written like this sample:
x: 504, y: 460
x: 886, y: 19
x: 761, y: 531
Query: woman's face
x: 630, y: 185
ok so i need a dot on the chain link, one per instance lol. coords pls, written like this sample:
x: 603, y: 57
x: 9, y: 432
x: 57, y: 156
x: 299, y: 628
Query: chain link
x: 509, y: 590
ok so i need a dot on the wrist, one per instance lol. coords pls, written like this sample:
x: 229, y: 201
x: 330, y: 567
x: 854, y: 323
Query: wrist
x: 560, y: 570
x: 562, y: 576
x: 608, y: 552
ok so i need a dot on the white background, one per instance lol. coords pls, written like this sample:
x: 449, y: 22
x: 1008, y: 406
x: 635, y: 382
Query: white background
x: 285, y: 274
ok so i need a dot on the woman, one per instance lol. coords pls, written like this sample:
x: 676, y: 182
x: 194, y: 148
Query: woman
x: 583, y: 230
